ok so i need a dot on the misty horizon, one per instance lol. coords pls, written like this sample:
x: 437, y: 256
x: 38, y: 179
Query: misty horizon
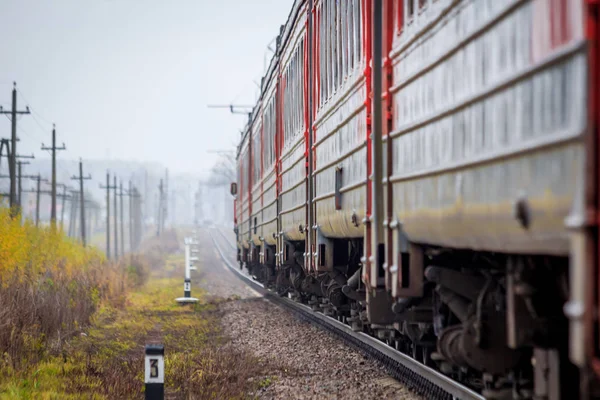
x: 132, y: 82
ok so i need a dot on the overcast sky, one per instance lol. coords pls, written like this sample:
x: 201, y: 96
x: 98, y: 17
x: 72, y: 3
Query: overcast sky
x: 131, y: 79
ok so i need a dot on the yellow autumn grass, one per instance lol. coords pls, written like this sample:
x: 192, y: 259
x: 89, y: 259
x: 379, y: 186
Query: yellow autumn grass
x: 50, y: 285
x: 27, y: 251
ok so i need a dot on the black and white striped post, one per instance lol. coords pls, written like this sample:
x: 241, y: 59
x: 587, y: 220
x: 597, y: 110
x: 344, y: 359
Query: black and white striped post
x: 187, y: 288
x: 155, y: 372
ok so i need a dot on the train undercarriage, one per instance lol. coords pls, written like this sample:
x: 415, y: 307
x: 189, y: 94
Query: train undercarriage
x: 494, y: 322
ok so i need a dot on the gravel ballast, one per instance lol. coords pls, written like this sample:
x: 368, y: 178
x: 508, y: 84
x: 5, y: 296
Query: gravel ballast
x: 305, y: 361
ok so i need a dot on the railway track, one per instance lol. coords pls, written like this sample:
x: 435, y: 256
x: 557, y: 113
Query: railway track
x: 422, y: 379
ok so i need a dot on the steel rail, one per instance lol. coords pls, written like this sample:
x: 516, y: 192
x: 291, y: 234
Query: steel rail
x: 416, y: 376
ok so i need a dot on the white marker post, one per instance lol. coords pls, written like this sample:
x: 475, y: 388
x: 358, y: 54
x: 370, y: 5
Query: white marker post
x: 187, y: 282
x: 193, y: 252
x: 155, y: 372
x: 192, y: 267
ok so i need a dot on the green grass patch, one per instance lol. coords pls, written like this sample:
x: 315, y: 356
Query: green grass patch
x: 106, y: 361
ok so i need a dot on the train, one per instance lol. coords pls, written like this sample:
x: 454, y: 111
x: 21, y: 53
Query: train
x: 426, y: 171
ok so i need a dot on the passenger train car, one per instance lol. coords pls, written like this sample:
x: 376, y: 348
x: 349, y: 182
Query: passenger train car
x: 426, y: 171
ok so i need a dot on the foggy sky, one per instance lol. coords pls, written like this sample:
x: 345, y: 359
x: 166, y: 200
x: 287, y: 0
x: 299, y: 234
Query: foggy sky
x: 131, y: 79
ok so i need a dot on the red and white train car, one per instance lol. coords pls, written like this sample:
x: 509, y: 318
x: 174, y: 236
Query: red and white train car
x: 427, y: 171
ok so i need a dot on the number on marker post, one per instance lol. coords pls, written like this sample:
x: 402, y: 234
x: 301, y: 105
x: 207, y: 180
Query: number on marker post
x: 154, y: 368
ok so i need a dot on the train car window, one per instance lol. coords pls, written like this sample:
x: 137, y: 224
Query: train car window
x: 409, y: 6
x: 284, y: 110
x: 268, y: 139
x: 351, y: 28
x: 358, y: 32
x: 338, y: 45
x: 257, y: 151
x: 320, y: 25
x: 240, y: 178
x: 244, y: 173
x: 272, y: 131
x: 297, y: 90
x: 325, y: 53
x: 248, y: 170
x: 341, y: 33
x: 329, y: 46
x: 293, y: 95
x: 294, y: 92
x: 399, y: 10
x: 344, y: 37
x: 332, y: 49
x: 300, y: 53
x: 290, y: 97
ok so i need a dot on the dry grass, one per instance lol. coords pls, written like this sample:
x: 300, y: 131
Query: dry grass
x: 84, y: 338
x: 50, y: 286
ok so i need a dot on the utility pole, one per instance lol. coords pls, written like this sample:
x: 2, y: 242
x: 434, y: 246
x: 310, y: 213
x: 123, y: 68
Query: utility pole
x: 147, y: 210
x: 63, y: 197
x: 73, y: 213
x: 53, y: 149
x: 19, y: 162
x: 37, y: 191
x: 19, y: 177
x: 107, y: 187
x: 37, y: 202
x: 137, y: 218
x: 80, y: 178
x: 166, y: 199
x: 20, y: 189
x: 160, y: 209
x: 140, y: 222
x: 121, y: 194
x: 13, y: 149
x: 173, y: 213
x: 115, y: 219
x: 131, y: 199
x: 4, y: 144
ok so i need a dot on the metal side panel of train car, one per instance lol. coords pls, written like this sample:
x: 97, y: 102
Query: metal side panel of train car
x: 269, y: 180
x: 340, y: 126
x: 293, y: 107
x: 244, y: 205
x: 489, y: 105
x: 256, y: 218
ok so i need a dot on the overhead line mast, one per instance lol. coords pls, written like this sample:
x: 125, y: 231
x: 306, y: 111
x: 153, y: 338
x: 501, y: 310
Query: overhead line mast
x: 80, y: 178
x: 53, y: 149
x: 13, y: 149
